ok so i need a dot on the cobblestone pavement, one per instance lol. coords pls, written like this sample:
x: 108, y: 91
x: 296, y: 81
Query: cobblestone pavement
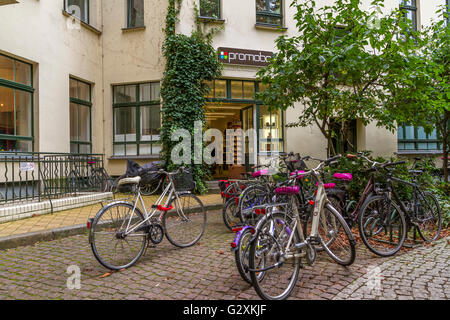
x: 207, y: 271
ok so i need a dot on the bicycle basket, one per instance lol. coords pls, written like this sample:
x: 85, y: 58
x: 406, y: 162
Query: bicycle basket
x: 184, y: 181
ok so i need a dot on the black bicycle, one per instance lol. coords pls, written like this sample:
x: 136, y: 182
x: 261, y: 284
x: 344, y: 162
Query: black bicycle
x: 88, y: 178
x: 386, y: 217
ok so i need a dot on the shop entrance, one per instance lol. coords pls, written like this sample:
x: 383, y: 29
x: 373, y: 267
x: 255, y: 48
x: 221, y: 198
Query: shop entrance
x: 223, y: 116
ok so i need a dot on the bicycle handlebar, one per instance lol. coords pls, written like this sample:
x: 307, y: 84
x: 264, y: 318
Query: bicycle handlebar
x: 179, y: 170
x: 320, y: 166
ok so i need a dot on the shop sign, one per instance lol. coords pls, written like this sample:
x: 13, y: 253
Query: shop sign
x: 244, y: 57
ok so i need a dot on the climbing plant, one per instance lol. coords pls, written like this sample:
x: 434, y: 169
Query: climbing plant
x: 190, y: 61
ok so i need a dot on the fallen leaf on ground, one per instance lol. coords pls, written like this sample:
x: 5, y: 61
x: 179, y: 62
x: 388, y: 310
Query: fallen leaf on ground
x: 219, y: 251
x: 106, y: 275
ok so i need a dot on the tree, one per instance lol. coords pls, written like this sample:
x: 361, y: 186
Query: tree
x: 345, y: 64
x: 430, y: 86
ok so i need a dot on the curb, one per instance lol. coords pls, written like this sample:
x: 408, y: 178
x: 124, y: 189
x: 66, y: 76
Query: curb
x: 28, y: 239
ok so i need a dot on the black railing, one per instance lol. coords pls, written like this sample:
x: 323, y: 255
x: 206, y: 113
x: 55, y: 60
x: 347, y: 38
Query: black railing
x: 28, y: 176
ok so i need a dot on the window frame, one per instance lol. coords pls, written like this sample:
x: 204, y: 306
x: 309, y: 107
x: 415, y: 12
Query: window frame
x: 267, y: 13
x: 86, y: 12
x: 138, y: 105
x: 84, y: 103
x: 23, y: 88
x: 129, y: 26
x: 413, y: 8
x: 219, y: 11
x: 417, y: 141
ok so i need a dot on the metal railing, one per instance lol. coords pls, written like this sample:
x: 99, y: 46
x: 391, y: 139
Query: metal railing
x: 31, y: 176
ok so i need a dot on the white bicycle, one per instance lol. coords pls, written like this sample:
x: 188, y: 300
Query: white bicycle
x: 282, y: 240
x: 120, y: 232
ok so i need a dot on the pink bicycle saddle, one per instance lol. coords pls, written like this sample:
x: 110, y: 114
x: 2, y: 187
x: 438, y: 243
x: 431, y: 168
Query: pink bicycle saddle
x: 343, y: 176
x: 287, y: 190
x: 296, y: 173
x: 328, y: 185
x: 260, y: 173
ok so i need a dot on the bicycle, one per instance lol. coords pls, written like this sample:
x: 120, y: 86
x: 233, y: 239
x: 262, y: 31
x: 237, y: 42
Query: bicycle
x: 384, y: 218
x: 280, y: 242
x: 266, y: 193
x: 120, y: 231
x: 97, y: 178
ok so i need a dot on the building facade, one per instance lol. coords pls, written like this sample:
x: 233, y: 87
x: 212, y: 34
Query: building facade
x: 83, y: 76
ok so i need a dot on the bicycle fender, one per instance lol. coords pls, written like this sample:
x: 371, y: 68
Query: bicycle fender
x: 237, y: 238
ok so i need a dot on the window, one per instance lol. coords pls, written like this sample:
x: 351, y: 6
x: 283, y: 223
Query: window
x: 137, y: 119
x: 210, y: 9
x: 231, y: 89
x: 271, y: 130
x: 448, y: 12
x: 409, y: 9
x: 269, y: 12
x: 135, y: 13
x: 16, y: 105
x: 414, y: 138
x: 80, y: 117
x: 78, y: 8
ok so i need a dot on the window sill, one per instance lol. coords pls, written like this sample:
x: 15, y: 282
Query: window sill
x: 211, y: 20
x: 270, y: 27
x: 147, y: 157
x: 414, y: 152
x: 131, y: 29
x: 84, y: 24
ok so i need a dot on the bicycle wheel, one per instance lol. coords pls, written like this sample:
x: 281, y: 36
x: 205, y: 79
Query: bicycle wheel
x: 102, y: 181
x: 186, y: 223
x: 337, y: 238
x: 335, y: 202
x: 230, y: 214
x: 249, y: 198
x: 382, y: 225
x: 280, y: 273
x: 233, y: 190
x: 241, y: 257
x: 111, y: 247
x: 428, y: 216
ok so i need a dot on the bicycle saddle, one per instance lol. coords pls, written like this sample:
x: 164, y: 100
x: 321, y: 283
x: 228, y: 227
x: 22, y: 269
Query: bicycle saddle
x: 260, y: 173
x: 327, y: 185
x: 296, y: 173
x: 134, y: 180
x: 287, y: 190
x: 343, y: 176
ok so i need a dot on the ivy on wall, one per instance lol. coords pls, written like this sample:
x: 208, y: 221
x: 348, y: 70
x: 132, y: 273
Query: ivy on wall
x: 190, y: 60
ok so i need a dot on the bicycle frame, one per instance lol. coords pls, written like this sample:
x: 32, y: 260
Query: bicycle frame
x: 170, y: 190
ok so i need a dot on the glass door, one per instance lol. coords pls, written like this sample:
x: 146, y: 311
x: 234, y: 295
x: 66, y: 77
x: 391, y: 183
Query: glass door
x: 247, y: 123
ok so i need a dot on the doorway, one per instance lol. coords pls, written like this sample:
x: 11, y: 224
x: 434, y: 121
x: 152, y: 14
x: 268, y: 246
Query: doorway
x: 223, y: 116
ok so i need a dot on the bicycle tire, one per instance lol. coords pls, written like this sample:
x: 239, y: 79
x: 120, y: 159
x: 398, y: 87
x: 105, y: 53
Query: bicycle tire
x: 307, y: 224
x: 112, y: 238
x: 362, y: 224
x: 432, y: 201
x: 241, y: 255
x: 258, y: 247
x: 252, y: 196
x: 333, y: 247
x: 230, y: 214
x: 193, y: 222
